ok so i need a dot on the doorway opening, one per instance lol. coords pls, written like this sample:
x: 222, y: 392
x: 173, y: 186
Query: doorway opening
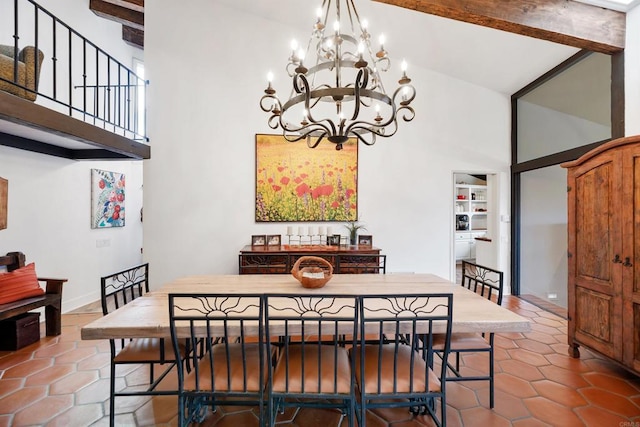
x: 475, y: 228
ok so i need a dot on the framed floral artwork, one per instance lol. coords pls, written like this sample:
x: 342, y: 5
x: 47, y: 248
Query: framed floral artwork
x: 298, y: 183
x: 107, y: 199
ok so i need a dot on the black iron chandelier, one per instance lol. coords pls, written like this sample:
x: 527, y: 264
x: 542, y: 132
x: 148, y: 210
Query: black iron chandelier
x: 341, y: 94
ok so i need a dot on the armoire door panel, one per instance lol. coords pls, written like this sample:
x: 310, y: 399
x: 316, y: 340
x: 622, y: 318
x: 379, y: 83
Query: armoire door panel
x: 632, y: 245
x: 631, y: 272
x: 593, y: 321
x: 594, y: 225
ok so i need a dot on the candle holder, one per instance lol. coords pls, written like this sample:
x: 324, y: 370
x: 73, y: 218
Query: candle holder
x: 316, y: 239
x: 305, y: 237
x: 289, y: 238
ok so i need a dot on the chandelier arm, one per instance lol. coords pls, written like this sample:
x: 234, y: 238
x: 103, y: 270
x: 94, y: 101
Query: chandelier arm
x: 308, y: 105
x: 312, y: 127
x: 296, y: 135
x: 292, y: 138
x: 407, y: 109
x: 272, y: 107
x: 408, y: 93
x: 356, y: 94
x: 269, y: 108
x: 317, y: 141
x: 377, y: 130
x: 381, y: 125
x: 301, y: 88
x: 274, y: 121
x: 291, y: 67
x: 318, y: 135
x: 365, y: 141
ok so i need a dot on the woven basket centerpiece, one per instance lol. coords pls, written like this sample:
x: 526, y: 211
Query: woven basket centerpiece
x: 312, y: 271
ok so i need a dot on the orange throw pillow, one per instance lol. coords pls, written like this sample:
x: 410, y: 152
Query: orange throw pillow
x: 19, y: 284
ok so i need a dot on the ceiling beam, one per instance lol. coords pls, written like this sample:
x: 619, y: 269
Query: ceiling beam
x: 561, y: 21
x: 133, y: 36
x: 123, y: 15
x: 137, y: 5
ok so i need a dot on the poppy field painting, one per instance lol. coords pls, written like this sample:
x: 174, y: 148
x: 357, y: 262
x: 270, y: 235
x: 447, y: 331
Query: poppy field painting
x: 298, y: 183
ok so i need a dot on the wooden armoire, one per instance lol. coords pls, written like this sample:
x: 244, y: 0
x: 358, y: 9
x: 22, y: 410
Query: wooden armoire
x: 603, y: 188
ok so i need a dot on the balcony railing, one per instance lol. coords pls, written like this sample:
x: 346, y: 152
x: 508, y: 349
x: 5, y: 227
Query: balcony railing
x: 63, y: 70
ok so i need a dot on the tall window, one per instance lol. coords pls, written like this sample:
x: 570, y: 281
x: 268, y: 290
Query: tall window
x: 568, y: 110
x: 558, y: 117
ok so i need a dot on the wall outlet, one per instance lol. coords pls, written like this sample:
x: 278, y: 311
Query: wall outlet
x: 552, y: 296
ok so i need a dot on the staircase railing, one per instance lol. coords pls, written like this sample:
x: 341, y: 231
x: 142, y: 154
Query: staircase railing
x: 75, y: 77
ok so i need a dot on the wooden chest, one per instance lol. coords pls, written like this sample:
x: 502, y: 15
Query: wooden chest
x: 19, y: 331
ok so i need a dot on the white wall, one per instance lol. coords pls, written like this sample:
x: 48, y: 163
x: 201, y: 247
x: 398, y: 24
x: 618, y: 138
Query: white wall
x: 50, y: 198
x: 203, y: 114
x: 49, y: 219
x: 632, y: 77
x: 544, y: 234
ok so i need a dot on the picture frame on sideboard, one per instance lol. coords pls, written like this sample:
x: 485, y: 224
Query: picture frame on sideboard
x: 333, y: 240
x: 274, y: 240
x: 258, y: 240
x: 365, y: 240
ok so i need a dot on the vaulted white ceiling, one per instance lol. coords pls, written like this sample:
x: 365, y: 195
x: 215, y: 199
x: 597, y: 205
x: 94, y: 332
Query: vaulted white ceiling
x: 494, y: 59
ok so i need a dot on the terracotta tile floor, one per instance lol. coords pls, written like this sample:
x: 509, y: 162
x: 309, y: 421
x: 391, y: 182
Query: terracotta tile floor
x: 63, y: 381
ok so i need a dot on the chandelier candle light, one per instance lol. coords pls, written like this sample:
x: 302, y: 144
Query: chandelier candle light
x: 341, y: 95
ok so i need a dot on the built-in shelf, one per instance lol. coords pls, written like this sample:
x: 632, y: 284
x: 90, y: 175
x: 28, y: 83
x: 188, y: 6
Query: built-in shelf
x: 469, y: 221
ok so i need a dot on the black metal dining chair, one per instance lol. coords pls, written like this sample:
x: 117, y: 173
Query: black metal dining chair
x: 397, y: 370
x: 117, y: 290
x: 313, y: 368
x: 488, y: 283
x: 231, y: 367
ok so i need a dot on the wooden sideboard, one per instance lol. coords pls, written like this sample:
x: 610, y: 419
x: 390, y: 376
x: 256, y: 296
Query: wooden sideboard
x: 280, y: 259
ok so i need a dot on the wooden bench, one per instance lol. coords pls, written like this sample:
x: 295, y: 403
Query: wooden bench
x: 51, y: 300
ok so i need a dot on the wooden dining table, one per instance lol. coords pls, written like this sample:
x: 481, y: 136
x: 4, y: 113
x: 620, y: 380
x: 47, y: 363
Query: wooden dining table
x: 148, y: 316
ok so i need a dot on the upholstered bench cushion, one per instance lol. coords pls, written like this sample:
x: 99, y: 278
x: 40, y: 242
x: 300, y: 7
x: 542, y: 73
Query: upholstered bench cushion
x: 19, y: 284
